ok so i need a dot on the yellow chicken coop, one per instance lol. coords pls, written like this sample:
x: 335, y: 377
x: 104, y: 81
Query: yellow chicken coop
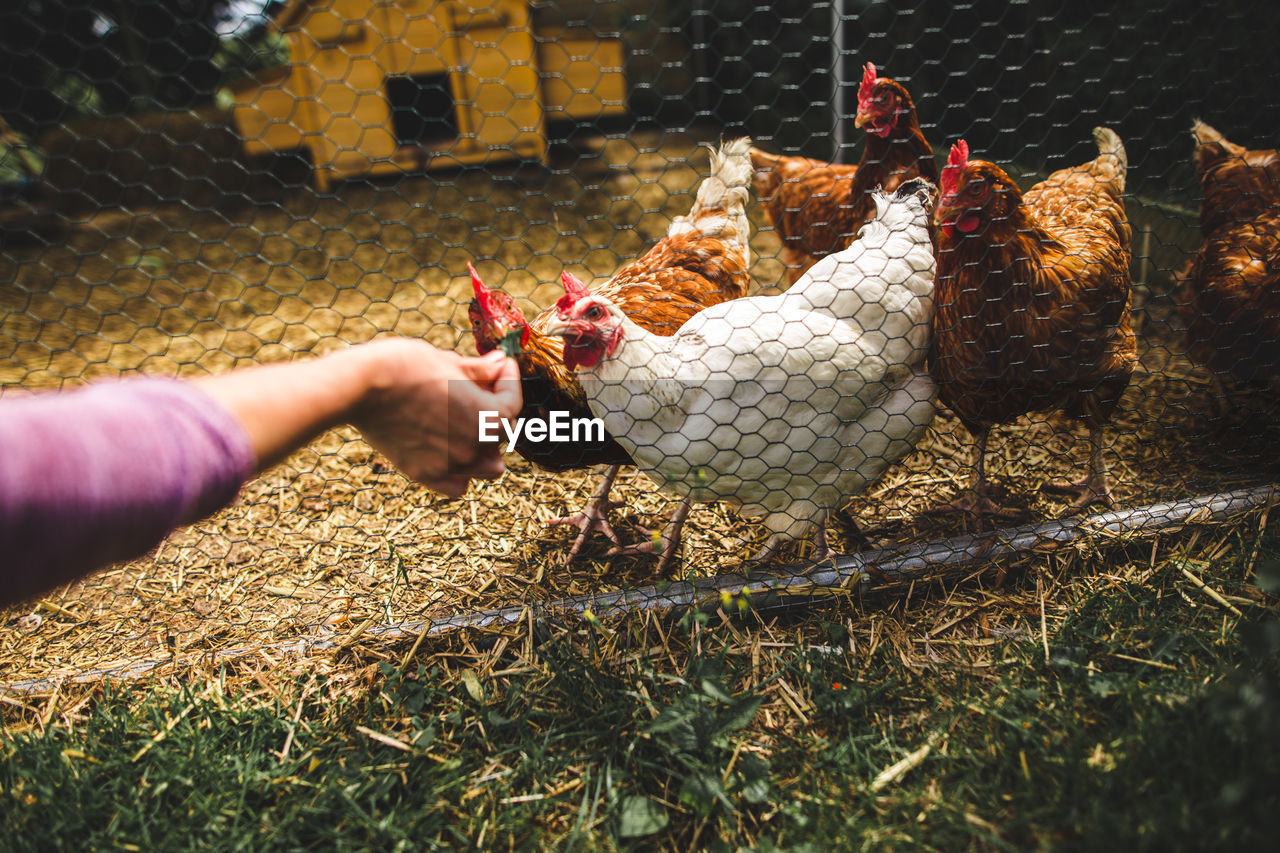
x: 378, y: 86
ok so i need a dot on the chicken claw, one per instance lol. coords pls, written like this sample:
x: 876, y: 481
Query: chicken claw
x: 593, y: 516
x: 1094, y: 488
x: 975, y: 502
x: 669, y: 539
x: 821, y: 548
x: 1087, y: 492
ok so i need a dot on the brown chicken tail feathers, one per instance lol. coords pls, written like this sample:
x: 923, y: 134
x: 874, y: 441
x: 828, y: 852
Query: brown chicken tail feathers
x: 1109, y: 144
x: 1204, y: 134
x: 763, y: 160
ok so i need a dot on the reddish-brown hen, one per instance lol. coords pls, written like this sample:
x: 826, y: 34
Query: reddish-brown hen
x: 1032, y: 300
x: 703, y: 260
x: 1231, y: 297
x: 816, y: 207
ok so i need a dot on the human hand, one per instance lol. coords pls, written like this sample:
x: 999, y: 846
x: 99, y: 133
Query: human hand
x: 422, y: 409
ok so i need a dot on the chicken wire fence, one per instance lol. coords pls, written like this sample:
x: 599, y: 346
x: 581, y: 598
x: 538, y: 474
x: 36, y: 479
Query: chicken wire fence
x: 194, y: 187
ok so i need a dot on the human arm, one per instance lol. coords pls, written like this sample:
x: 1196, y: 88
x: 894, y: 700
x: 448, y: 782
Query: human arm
x: 416, y: 404
x: 100, y: 475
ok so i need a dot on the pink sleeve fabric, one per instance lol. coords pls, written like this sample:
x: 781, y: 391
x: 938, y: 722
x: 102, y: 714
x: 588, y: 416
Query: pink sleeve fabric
x: 101, y: 475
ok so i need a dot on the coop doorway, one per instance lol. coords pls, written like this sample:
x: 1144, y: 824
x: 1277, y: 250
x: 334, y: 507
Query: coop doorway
x: 423, y: 112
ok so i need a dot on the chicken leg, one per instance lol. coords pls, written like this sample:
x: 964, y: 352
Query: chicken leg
x: 593, y: 516
x: 1094, y: 488
x: 974, y: 499
x: 669, y: 539
x: 821, y: 547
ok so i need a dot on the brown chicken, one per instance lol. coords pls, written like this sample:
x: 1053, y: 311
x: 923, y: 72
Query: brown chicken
x: 816, y: 207
x: 703, y: 260
x: 1231, y: 295
x: 1032, y: 301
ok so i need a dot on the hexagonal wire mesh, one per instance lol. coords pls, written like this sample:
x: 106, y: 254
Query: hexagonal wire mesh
x: 220, y: 184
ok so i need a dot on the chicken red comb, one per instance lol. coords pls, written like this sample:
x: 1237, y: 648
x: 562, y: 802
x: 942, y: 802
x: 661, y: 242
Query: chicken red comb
x: 868, y: 83
x: 484, y: 296
x: 574, y: 290
x: 955, y: 163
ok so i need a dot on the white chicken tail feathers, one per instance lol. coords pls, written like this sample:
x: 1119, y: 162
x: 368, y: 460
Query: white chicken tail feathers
x: 909, y: 205
x: 731, y: 166
x: 920, y: 189
x: 1111, y: 152
x: 725, y: 189
x: 721, y: 203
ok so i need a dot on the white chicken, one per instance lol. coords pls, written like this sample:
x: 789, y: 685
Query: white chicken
x: 784, y: 406
x: 882, y: 284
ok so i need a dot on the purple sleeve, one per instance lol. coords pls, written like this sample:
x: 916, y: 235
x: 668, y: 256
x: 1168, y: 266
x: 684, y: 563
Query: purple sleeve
x: 101, y: 475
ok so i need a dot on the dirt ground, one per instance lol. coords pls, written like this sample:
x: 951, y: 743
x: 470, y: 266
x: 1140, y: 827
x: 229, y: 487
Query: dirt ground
x: 332, y: 541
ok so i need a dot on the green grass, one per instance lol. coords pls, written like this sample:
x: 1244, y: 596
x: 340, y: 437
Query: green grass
x: 1153, y: 724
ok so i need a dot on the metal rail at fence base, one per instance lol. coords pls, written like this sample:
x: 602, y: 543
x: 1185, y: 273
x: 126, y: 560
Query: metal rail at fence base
x: 842, y: 572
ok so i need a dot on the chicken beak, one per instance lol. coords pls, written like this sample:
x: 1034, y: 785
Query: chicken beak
x: 558, y: 327
x: 860, y: 120
x: 947, y: 209
x: 569, y: 329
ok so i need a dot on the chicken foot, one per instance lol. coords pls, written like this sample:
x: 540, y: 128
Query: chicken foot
x: 669, y: 539
x: 1094, y: 488
x: 821, y: 548
x: 593, y: 516
x: 975, y: 499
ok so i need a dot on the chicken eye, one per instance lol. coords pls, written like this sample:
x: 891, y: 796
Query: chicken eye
x: 593, y: 313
